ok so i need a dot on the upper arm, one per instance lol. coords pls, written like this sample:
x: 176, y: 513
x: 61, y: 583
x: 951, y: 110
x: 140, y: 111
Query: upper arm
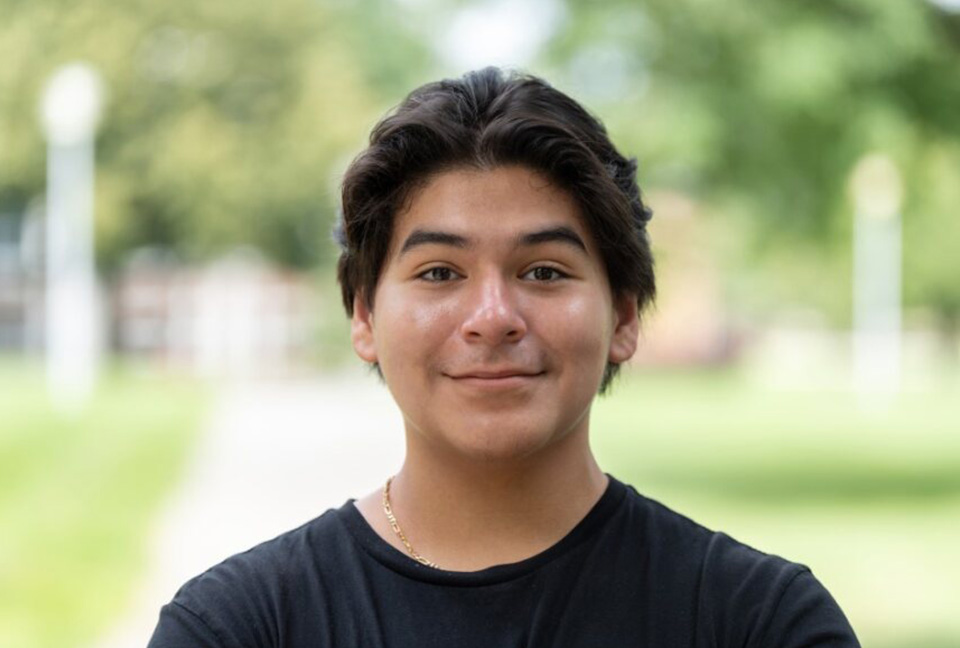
x: 179, y: 627
x: 807, y: 616
x: 750, y: 599
x: 231, y: 605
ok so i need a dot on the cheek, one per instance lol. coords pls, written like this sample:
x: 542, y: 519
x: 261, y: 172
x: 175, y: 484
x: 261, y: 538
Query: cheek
x: 411, y: 329
x: 433, y: 319
x: 582, y: 328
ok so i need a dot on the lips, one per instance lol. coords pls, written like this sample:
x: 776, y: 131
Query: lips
x: 496, y: 379
x: 497, y: 374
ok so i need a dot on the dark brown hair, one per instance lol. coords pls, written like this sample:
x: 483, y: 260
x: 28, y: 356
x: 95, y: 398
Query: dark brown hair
x: 483, y: 120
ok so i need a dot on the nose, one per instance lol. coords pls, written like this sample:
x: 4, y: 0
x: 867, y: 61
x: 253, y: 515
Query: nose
x: 492, y: 314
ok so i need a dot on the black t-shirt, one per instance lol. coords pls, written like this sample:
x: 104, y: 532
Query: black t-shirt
x: 631, y: 573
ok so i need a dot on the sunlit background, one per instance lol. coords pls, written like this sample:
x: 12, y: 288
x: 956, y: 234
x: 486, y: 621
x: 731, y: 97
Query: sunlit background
x: 176, y: 382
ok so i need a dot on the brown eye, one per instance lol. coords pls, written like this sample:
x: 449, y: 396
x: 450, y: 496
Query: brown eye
x: 438, y: 274
x: 545, y: 274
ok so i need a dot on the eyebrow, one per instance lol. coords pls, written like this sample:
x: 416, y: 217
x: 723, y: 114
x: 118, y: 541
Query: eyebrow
x: 427, y: 237
x: 560, y: 234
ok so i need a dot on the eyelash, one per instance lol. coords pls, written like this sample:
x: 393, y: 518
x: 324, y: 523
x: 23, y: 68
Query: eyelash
x: 557, y: 274
x: 425, y: 275
x: 429, y: 275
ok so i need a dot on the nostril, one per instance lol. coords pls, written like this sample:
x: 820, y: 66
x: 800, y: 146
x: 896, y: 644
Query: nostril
x: 493, y: 317
x: 493, y: 330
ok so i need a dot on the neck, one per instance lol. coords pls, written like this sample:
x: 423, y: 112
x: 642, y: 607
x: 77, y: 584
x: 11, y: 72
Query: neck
x: 466, y: 514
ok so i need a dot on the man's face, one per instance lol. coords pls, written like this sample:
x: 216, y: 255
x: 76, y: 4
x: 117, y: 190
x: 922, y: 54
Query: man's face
x: 493, y: 320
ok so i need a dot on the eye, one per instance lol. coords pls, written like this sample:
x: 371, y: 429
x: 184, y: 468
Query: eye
x: 438, y: 274
x: 545, y: 274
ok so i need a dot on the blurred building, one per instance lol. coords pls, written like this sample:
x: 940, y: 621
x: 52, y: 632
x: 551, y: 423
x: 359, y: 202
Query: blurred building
x: 690, y: 324
x: 237, y: 316
x: 21, y: 281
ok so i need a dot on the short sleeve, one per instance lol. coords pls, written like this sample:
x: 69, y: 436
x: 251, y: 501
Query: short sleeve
x: 231, y: 605
x: 178, y: 627
x: 807, y: 616
x: 750, y: 599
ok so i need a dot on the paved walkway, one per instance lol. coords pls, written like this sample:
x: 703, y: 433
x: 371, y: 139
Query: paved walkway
x: 274, y: 456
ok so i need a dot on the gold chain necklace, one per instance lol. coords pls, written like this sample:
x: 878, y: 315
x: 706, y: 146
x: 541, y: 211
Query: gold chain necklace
x: 396, y: 528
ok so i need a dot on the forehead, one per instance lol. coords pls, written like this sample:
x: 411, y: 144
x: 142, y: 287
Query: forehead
x: 489, y: 205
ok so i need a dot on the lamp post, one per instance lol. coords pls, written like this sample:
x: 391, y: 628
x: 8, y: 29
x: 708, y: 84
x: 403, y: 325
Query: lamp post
x: 877, y: 191
x: 70, y: 113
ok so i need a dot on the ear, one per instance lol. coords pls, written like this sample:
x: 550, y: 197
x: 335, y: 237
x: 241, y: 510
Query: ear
x: 626, y: 329
x: 361, y: 330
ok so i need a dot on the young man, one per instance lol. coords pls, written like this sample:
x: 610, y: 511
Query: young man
x: 495, y: 261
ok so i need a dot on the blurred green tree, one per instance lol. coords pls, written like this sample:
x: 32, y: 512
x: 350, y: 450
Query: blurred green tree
x: 762, y: 109
x: 226, y: 123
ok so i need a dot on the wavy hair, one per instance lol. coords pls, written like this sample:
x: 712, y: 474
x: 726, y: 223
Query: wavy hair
x: 485, y: 119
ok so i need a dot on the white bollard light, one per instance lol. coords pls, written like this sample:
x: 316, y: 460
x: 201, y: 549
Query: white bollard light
x: 877, y: 191
x: 70, y: 113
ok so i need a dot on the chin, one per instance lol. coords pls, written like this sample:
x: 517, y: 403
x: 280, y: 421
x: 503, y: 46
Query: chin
x: 502, y: 441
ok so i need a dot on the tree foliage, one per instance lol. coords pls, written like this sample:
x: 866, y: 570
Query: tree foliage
x: 763, y: 108
x: 226, y: 122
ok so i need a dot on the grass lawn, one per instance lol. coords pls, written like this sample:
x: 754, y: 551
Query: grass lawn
x: 77, y: 495
x: 870, y: 500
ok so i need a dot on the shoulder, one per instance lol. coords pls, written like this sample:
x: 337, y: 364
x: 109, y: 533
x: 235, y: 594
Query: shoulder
x: 742, y: 596
x: 718, y: 560
x: 241, y: 601
x: 752, y: 598
x: 269, y: 565
x: 668, y: 537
